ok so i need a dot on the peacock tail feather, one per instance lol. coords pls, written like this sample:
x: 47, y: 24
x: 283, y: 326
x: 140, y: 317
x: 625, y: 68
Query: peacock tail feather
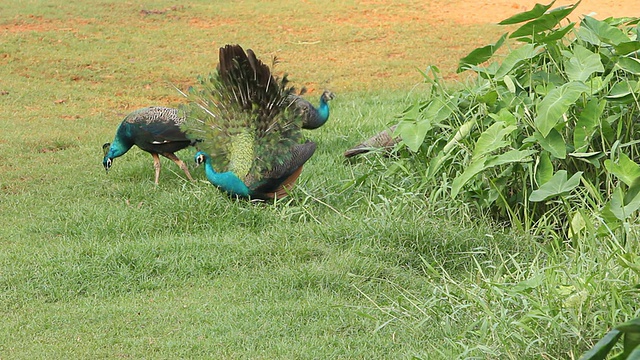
x: 241, y: 154
x: 243, y: 116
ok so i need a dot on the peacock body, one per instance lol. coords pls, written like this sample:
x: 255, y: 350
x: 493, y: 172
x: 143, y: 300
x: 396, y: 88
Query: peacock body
x: 251, y: 143
x: 383, y: 140
x: 312, y: 117
x: 155, y: 130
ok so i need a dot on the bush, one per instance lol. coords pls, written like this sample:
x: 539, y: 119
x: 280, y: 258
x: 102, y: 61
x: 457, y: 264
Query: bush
x: 544, y: 138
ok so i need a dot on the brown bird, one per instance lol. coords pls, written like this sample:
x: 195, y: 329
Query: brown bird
x: 383, y: 140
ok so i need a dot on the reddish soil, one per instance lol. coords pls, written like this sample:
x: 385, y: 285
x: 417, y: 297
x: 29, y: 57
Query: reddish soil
x: 480, y: 12
x: 366, y: 44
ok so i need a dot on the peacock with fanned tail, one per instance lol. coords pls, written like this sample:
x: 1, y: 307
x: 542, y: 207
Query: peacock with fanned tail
x: 155, y: 130
x: 252, y: 146
x: 312, y: 117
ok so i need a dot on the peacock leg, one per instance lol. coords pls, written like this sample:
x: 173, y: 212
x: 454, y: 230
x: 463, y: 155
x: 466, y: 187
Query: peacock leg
x: 156, y: 166
x: 180, y: 163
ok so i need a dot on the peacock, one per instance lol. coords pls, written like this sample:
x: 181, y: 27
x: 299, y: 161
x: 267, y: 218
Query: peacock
x: 155, y: 130
x: 252, y: 145
x: 383, y: 140
x: 312, y: 117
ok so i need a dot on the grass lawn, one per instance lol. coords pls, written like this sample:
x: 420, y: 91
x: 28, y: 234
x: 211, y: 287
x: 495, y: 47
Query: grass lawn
x: 355, y: 264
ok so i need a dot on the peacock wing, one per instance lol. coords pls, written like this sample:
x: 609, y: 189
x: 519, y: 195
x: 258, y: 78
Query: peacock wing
x: 280, y: 173
x: 155, y: 125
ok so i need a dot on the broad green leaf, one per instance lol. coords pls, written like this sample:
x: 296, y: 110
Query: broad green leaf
x: 545, y: 22
x: 515, y: 57
x: 623, y: 91
x: 629, y: 64
x: 488, y: 98
x: 511, y: 86
x: 473, y: 169
x: 634, y: 353
x: 557, y: 185
x: 545, y: 77
x: 632, y: 197
x: 509, y: 157
x: 537, y: 11
x: 417, y: 123
x: 554, y: 143
x: 556, y: 103
x: 504, y: 116
x: 631, y: 326
x: 582, y: 64
x: 622, y: 204
x: 588, y: 122
x: 592, y: 157
x: 627, y: 47
x: 413, y: 133
x: 492, y: 139
x: 587, y: 35
x: 553, y: 35
x: 601, y: 349
x: 482, y: 163
x: 631, y: 340
x: 626, y: 170
x: 412, y: 113
x: 480, y: 55
x: 578, y: 223
x: 610, y: 220
x: 438, y: 110
x: 544, y: 168
x: 605, y: 32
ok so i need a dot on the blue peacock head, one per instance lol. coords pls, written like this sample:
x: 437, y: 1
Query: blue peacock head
x: 327, y: 95
x: 200, y: 158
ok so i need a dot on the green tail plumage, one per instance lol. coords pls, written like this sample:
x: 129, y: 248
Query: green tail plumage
x: 245, y: 118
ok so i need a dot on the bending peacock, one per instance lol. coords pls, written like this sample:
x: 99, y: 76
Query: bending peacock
x: 252, y: 145
x: 312, y: 117
x: 155, y: 130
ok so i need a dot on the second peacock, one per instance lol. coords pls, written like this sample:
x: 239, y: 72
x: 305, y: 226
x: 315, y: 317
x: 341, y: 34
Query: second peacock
x: 251, y: 140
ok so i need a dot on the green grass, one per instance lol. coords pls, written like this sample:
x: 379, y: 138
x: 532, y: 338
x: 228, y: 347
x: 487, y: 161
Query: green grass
x: 356, y: 264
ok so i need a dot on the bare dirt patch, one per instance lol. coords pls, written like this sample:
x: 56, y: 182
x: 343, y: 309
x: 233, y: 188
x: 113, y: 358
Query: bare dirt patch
x: 481, y: 12
x: 341, y: 45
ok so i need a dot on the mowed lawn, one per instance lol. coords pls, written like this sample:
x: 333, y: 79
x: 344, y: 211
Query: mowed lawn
x: 355, y: 264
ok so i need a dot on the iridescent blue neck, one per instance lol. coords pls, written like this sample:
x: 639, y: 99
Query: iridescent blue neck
x: 226, y: 181
x: 323, y: 110
x: 117, y: 148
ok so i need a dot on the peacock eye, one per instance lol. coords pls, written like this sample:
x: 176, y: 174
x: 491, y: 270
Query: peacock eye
x: 109, y: 161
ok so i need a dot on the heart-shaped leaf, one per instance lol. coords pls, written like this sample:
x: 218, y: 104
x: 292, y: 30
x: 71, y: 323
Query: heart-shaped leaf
x: 556, y: 103
x: 557, y: 185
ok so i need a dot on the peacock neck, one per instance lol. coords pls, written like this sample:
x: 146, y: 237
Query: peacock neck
x: 323, y: 110
x: 226, y: 181
x: 118, y: 148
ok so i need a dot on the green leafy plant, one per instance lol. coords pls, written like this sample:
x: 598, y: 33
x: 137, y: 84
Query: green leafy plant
x: 546, y: 136
x: 631, y: 343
